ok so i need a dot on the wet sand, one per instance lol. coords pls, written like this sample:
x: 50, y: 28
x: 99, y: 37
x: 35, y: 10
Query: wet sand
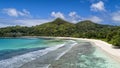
x: 106, y: 47
x: 79, y: 56
x: 45, y: 60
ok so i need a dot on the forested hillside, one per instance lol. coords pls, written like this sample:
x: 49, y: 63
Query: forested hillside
x: 59, y: 27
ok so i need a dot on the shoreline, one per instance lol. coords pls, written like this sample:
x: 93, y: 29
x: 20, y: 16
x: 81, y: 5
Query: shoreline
x: 61, y: 53
x: 96, y: 43
x: 106, y: 47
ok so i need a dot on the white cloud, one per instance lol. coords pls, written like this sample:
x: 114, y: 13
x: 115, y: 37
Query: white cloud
x: 74, y: 17
x: 95, y: 19
x: 32, y: 22
x: 57, y: 15
x: 3, y: 25
x: 98, y: 6
x: 22, y: 22
x: 74, y: 14
x: 116, y: 16
x: 15, y: 13
x: 71, y: 14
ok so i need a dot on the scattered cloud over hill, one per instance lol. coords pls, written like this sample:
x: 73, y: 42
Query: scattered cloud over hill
x: 15, y: 13
x: 95, y: 10
x: 116, y: 16
x: 71, y: 17
x: 22, y: 22
x: 57, y: 14
x: 95, y: 19
x: 74, y: 17
x: 99, y: 6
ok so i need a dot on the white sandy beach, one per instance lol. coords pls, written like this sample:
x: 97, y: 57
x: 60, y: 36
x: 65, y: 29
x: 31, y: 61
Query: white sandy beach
x: 106, y: 47
x: 114, y: 53
x: 79, y: 47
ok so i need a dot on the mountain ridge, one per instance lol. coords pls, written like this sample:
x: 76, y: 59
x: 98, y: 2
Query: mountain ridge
x: 60, y: 27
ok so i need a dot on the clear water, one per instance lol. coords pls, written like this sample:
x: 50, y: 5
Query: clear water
x: 15, y: 52
x: 17, y: 43
x: 10, y: 47
x: 85, y: 56
x: 108, y: 62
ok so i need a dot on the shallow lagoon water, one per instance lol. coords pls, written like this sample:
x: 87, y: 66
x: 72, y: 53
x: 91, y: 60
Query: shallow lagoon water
x: 18, y: 43
x: 85, y: 55
x: 10, y: 47
x: 42, y: 53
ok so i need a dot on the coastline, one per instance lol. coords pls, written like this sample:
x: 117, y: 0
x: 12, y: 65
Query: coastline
x: 103, y: 46
x: 106, y: 47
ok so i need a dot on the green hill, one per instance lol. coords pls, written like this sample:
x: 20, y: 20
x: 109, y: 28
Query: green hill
x: 90, y: 29
x: 60, y: 27
x: 57, y: 27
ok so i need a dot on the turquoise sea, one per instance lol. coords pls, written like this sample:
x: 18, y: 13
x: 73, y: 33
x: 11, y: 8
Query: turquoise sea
x: 52, y: 53
x: 19, y: 43
x: 10, y: 47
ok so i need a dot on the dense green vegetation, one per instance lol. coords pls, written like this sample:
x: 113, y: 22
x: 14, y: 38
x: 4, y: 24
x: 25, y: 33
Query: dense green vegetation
x: 59, y: 27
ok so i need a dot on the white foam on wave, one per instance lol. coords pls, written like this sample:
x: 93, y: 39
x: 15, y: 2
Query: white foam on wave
x: 63, y: 53
x: 18, y: 61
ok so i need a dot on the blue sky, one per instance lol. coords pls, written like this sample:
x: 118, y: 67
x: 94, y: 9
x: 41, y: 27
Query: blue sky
x: 35, y: 12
